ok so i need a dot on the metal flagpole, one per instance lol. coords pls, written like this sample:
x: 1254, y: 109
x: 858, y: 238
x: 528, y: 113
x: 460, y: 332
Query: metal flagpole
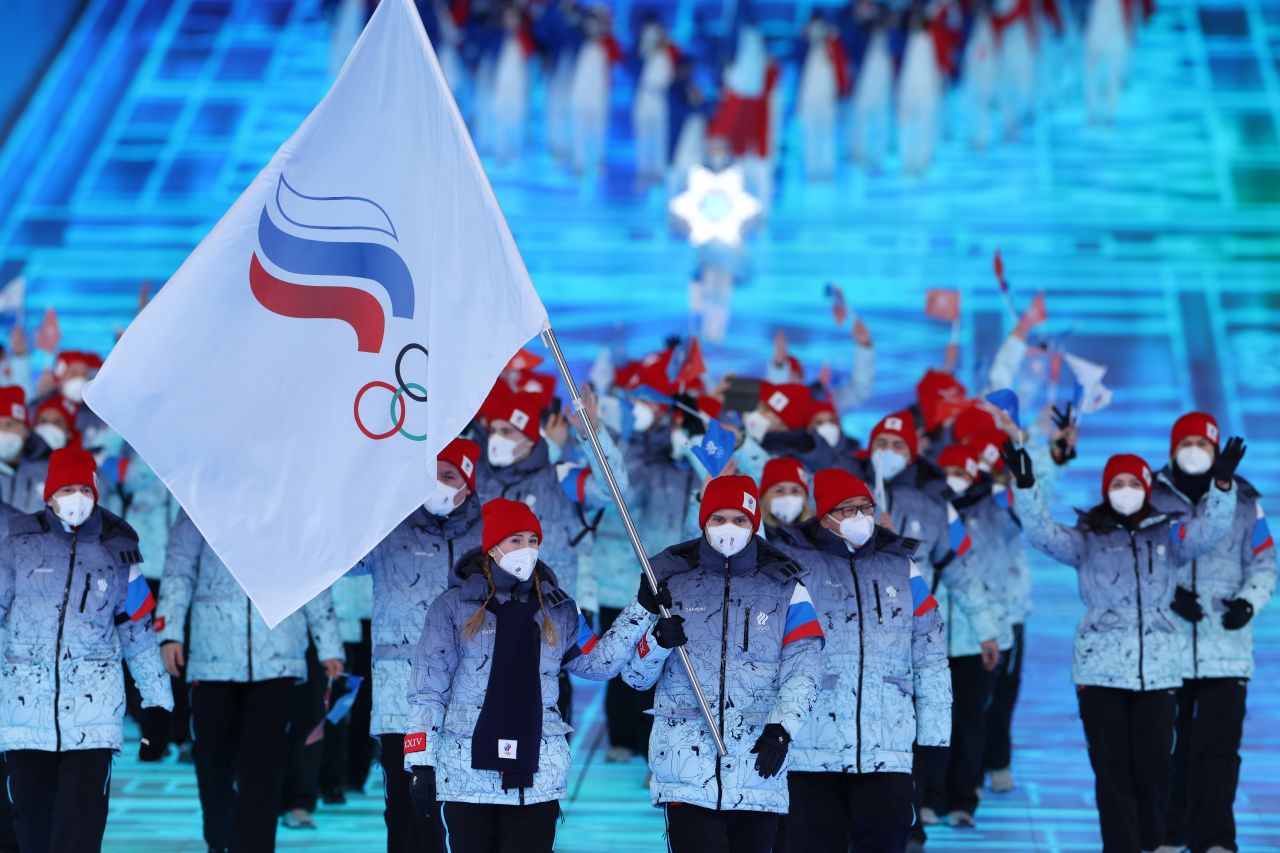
x: 549, y: 338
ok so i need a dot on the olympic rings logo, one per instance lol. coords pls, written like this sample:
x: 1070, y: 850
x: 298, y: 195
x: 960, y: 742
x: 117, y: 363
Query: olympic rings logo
x: 399, y: 408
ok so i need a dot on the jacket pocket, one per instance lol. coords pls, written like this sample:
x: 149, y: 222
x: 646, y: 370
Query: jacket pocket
x: 898, y: 725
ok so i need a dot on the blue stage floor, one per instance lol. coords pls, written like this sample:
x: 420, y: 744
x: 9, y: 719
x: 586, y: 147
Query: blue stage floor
x: 1156, y: 241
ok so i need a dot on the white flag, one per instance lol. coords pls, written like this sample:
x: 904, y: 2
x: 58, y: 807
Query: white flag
x: 295, y: 379
x: 13, y: 295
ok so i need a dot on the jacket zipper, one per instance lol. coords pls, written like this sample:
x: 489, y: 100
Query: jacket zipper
x: 57, y: 660
x: 1195, y: 631
x: 248, y: 626
x: 857, y: 592
x: 746, y: 630
x: 879, y: 613
x: 724, y: 660
x: 1137, y: 578
x: 84, y: 596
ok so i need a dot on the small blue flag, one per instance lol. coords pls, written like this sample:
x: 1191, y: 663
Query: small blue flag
x: 716, y: 449
x: 1005, y: 399
x: 343, y: 706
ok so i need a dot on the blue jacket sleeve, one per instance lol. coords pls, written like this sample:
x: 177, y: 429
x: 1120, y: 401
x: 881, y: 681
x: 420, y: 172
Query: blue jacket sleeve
x: 142, y: 651
x: 435, y: 660
x: 1259, y: 567
x: 1062, y: 543
x: 644, y: 667
x: 602, y: 658
x: 178, y: 580
x: 931, y: 677
x: 322, y: 624
x: 1200, y: 534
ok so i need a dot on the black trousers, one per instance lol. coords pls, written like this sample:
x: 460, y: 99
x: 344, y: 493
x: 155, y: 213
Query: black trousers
x: 59, y: 798
x: 926, y: 761
x: 998, y: 754
x: 241, y: 745
x: 302, y: 770
x: 8, y: 836
x: 476, y: 828
x: 624, y: 706
x: 953, y: 784
x: 836, y: 812
x: 1130, y: 735
x: 407, y: 830
x: 693, y: 829
x: 1206, y: 764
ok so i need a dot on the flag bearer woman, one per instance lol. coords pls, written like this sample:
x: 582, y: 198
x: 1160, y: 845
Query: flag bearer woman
x: 484, y: 684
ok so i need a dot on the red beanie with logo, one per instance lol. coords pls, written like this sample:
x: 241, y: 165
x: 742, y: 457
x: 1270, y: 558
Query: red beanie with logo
x: 502, y: 517
x: 13, y: 403
x: 522, y: 410
x: 834, y: 486
x: 972, y: 421
x: 901, y: 424
x: 791, y: 402
x: 736, y: 492
x: 70, y: 466
x: 960, y: 456
x: 784, y: 469
x: 1193, y: 425
x: 463, y: 454
x: 1126, y: 463
x: 986, y: 446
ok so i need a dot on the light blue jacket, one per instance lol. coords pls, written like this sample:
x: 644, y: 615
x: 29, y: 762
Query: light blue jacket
x: 564, y: 503
x: 1128, y: 637
x: 1241, y: 565
x: 451, y: 678
x: 886, y: 682
x: 918, y: 505
x: 410, y: 568
x: 229, y: 639
x: 64, y: 627
x: 999, y: 561
x: 22, y: 486
x: 755, y: 644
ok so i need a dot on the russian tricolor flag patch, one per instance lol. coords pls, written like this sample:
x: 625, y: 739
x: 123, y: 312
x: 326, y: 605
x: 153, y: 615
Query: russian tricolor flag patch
x: 138, y: 600
x: 802, y: 619
x: 921, y: 597
x: 1262, y: 539
x: 960, y: 542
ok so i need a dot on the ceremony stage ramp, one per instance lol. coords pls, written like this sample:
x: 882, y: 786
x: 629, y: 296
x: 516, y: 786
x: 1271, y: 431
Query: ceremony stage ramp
x: 1156, y: 242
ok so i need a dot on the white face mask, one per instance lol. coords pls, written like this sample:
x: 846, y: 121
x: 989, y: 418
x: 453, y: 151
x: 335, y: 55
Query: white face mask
x: 1194, y: 460
x: 53, y: 435
x: 502, y: 451
x: 440, y: 502
x: 73, y: 389
x: 957, y: 484
x: 1128, y: 500
x: 888, y: 463
x: 829, y: 432
x: 642, y: 417
x: 73, y: 509
x: 728, y: 539
x: 10, y: 445
x: 756, y: 425
x: 787, y: 508
x: 519, y: 563
x: 679, y: 444
x: 857, y: 530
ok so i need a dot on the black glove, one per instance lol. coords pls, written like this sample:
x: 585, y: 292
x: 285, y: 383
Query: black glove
x: 771, y: 750
x: 1019, y: 462
x: 1238, y: 614
x: 669, y: 632
x: 1224, y: 467
x: 422, y: 790
x: 155, y: 734
x: 1063, y: 450
x: 651, y: 602
x: 1187, y: 605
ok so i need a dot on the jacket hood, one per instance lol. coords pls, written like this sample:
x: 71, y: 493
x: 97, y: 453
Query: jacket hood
x: 470, y: 572
x: 811, y: 535
x: 758, y: 555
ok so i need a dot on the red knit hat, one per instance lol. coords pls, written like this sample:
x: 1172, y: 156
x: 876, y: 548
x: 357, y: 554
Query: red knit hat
x: 1126, y: 463
x: 985, y: 447
x: 13, y: 403
x: 710, y: 406
x: 736, y: 491
x: 1195, y: 424
x: 463, y: 454
x: 901, y: 424
x: 502, y: 517
x: 522, y: 411
x: 784, y: 469
x: 960, y: 456
x: 68, y: 358
x: 791, y: 402
x: 972, y: 421
x: 834, y: 486
x: 823, y: 407
x: 940, y: 398
x: 70, y: 466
